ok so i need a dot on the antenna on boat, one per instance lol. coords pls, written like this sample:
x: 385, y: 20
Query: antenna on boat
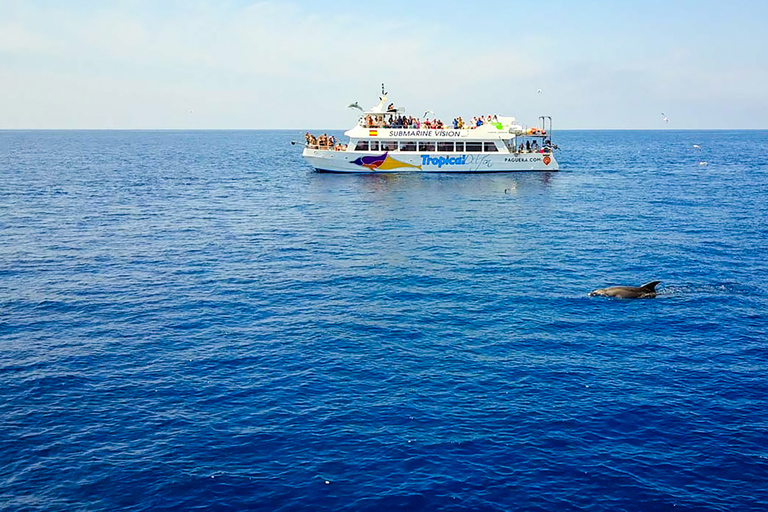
x: 544, y: 119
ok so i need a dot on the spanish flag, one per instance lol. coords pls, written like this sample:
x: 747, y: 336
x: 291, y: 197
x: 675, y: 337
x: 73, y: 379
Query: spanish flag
x: 373, y: 133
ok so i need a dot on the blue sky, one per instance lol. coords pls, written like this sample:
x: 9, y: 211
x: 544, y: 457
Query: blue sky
x: 297, y: 64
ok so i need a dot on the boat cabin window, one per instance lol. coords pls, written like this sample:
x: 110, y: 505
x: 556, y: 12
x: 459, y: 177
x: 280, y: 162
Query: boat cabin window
x: 426, y: 146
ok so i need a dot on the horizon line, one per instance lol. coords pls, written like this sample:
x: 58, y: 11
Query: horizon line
x: 345, y: 129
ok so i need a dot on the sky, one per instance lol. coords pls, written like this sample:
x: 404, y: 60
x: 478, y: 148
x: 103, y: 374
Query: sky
x: 237, y: 64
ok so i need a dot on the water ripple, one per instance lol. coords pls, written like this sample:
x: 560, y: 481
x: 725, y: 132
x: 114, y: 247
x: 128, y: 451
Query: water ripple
x: 195, y: 321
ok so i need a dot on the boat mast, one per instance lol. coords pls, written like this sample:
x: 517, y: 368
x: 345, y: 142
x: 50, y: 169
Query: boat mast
x: 544, y: 119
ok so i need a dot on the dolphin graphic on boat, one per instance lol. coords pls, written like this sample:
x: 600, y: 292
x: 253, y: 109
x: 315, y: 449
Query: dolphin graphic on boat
x: 381, y: 163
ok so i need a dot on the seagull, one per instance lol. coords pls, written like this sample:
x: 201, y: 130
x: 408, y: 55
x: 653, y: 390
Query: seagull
x: 666, y: 119
x: 539, y: 91
x: 355, y: 105
x: 697, y: 146
x: 428, y: 112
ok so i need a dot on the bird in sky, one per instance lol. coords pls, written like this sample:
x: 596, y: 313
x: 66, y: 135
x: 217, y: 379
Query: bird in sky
x: 666, y: 119
x: 355, y: 105
x: 428, y: 112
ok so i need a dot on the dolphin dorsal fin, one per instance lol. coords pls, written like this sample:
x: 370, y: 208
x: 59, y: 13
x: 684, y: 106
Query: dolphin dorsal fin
x: 651, y: 286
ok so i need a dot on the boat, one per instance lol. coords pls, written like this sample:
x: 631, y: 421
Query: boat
x: 386, y: 140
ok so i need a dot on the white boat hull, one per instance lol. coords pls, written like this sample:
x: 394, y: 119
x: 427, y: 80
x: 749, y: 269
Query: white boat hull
x: 376, y: 162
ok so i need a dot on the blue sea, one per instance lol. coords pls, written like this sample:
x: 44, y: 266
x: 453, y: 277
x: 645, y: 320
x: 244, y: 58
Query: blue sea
x: 196, y: 320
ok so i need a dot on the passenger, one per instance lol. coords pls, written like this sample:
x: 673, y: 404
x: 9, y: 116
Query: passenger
x: 527, y: 146
x: 520, y: 150
x: 479, y: 121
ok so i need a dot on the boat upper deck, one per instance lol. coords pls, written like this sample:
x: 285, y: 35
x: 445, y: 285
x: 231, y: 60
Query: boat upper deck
x: 387, y: 127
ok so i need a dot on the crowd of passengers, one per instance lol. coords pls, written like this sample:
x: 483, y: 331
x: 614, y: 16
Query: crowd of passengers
x: 394, y: 121
x: 533, y: 147
x: 399, y: 121
x: 324, y: 142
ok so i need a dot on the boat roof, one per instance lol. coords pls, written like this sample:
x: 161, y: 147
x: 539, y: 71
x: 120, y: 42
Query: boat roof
x: 500, y: 128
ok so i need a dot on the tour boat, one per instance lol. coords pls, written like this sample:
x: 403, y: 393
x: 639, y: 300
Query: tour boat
x: 385, y: 140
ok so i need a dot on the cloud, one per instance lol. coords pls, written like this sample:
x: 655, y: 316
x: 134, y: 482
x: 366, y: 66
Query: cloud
x: 237, y: 64
x: 15, y: 38
x: 299, y: 64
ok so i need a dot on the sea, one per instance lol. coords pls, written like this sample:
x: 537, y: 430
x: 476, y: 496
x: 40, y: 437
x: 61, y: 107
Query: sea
x: 196, y: 320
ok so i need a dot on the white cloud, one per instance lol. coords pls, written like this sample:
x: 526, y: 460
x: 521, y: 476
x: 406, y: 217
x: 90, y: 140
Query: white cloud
x: 298, y: 65
x: 15, y: 38
x: 279, y: 64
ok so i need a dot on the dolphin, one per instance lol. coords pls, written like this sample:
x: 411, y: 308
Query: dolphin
x: 647, y: 291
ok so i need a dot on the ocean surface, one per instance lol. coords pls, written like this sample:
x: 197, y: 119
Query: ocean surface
x: 198, y: 321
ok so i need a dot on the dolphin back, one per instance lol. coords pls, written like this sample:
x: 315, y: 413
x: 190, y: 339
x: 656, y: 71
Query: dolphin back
x: 647, y: 291
x: 650, y: 287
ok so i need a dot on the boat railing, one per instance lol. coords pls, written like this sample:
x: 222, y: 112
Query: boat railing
x: 323, y: 147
